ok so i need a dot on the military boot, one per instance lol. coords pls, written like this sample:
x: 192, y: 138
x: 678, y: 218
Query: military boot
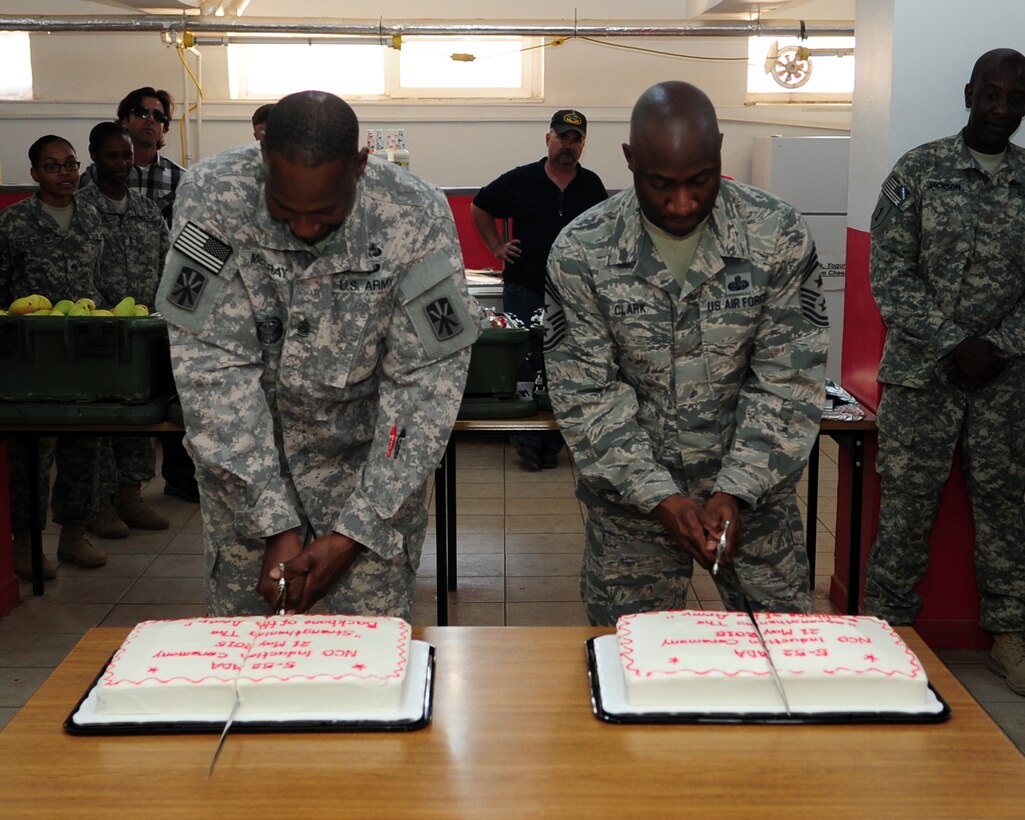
x: 105, y: 522
x: 23, y: 560
x: 1008, y: 659
x: 77, y: 549
x: 135, y: 512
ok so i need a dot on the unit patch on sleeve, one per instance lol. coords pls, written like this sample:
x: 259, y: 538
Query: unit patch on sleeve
x: 444, y: 321
x: 187, y: 289
x: 203, y: 248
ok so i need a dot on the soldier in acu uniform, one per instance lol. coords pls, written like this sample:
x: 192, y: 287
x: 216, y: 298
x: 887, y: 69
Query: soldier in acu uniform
x: 686, y: 343
x: 135, y: 242
x: 948, y: 275
x: 320, y: 336
x: 52, y: 244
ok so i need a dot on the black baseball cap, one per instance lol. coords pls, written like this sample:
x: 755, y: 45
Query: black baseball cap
x: 569, y: 120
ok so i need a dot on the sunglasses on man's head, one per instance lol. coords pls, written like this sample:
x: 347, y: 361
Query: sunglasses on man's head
x: 143, y: 113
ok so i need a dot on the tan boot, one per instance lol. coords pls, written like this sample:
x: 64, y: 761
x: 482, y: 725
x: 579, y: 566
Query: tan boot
x: 1008, y: 659
x: 23, y: 560
x: 105, y: 522
x: 77, y: 549
x: 135, y: 512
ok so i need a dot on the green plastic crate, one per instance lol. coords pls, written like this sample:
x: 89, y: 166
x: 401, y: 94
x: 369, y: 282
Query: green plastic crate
x: 494, y: 361
x: 83, y: 359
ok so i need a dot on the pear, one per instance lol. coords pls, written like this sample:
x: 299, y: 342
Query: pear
x: 78, y: 310
x: 29, y: 304
x: 42, y: 312
x: 101, y: 312
x: 63, y: 306
x: 126, y: 307
x: 141, y: 310
x: 85, y: 300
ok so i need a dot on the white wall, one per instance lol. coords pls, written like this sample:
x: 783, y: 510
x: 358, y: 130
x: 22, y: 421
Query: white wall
x: 913, y: 64
x: 80, y: 77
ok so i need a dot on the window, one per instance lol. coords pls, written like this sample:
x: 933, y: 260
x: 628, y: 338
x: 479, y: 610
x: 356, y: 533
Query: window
x: 15, y: 66
x: 819, y: 69
x: 423, y: 68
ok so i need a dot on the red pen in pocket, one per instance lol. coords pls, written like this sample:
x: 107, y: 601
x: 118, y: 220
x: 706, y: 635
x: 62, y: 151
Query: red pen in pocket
x: 392, y: 436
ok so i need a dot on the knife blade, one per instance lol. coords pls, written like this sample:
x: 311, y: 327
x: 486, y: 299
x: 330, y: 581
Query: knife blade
x: 224, y: 734
x: 729, y: 573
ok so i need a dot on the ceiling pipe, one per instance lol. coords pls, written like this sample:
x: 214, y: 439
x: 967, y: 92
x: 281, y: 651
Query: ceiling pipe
x: 384, y: 32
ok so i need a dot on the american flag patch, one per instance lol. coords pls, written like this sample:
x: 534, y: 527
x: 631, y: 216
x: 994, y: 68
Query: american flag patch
x: 895, y: 190
x: 202, y: 248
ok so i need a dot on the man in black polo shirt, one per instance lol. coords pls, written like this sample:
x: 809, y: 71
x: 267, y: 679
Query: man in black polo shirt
x: 540, y: 198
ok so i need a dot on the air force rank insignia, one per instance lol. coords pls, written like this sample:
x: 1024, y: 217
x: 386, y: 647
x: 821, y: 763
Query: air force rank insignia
x: 187, y: 289
x: 444, y: 321
x: 202, y: 248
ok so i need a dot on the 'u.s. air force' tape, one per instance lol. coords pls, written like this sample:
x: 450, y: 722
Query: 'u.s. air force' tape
x: 202, y: 248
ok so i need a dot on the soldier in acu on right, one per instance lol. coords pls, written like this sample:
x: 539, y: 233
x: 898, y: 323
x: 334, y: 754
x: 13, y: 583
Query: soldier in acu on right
x: 948, y: 274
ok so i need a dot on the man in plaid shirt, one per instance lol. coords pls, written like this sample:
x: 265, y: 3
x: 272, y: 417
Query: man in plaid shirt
x: 146, y: 114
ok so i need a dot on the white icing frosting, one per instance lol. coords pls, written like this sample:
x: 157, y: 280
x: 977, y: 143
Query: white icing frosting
x: 289, y: 665
x: 693, y: 659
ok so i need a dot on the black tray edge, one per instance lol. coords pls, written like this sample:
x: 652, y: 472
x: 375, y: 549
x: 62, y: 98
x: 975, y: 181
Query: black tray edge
x: 253, y: 727
x: 763, y: 718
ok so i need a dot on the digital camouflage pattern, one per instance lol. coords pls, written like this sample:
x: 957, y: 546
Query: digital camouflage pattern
x: 712, y: 386
x: 947, y: 264
x: 135, y: 243
x: 317, y: 390
x: 35, y: 257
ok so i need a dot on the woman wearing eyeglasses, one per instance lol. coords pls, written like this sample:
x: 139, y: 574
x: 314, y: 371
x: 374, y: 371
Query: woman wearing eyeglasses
x: 51, y: 244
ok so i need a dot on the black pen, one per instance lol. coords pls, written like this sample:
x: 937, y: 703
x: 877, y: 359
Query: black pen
x: 398, y: 442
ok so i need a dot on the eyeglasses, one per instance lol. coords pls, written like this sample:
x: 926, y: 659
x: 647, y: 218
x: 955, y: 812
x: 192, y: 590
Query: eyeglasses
x: 144, y: 113
x: 70, y: 166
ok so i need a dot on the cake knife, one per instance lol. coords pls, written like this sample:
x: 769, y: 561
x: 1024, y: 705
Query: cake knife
x: 224, y: 733
x: 728, y: 573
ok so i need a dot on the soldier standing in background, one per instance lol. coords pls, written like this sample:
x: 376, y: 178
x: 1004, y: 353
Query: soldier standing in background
x: 320, y: 336
x: 146, y: 114
x: 686, y: 343
x: 135, y: 242
x: 52, y: 244
x: 948, y: 275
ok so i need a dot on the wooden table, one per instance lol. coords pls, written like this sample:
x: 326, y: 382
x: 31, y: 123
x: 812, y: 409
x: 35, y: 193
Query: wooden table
x: 512, y: 736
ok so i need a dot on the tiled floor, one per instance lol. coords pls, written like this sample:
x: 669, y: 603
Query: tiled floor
x: 520, y: 542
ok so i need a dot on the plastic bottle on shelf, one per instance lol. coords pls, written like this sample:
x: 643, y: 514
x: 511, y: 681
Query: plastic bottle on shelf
x: 381, y: 149
x: 401, y: 154
x: 371, y: 142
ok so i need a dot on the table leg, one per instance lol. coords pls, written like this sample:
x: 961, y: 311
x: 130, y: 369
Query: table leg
x: 450, y: 496
x: 35, y: 522
x: 440, y: 535
x: 854, y: 548
x: 811, y: 525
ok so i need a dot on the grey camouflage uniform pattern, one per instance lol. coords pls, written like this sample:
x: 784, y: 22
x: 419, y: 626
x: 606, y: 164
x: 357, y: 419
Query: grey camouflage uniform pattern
x: 947, y: 264
x: 294, y: 369
x: 715, y: 386
x: 134, y: 246
x: 35, y: 257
